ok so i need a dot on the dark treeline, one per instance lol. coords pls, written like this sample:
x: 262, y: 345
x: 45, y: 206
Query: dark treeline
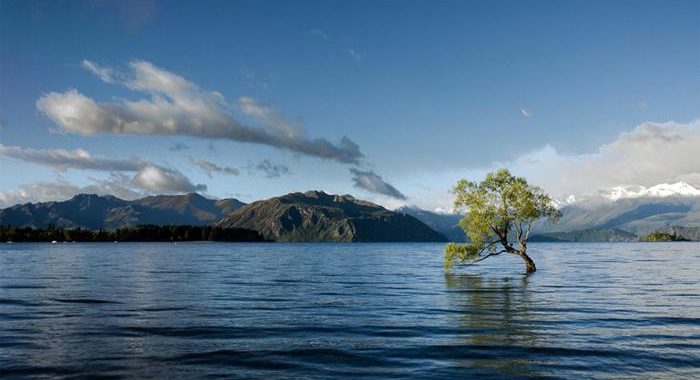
x: 141, y: 233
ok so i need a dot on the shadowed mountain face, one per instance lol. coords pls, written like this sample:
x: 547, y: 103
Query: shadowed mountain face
x: 317, y: 216
x: 107, y: 212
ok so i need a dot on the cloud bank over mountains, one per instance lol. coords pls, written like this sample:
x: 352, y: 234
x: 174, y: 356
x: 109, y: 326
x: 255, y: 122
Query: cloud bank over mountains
x: 167, y: 104
x: 176, y: 106
x: 172, y: 106
x: 650, y: 154
x: 147, y: 176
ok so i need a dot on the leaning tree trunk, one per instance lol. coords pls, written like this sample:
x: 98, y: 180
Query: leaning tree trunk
x: 529, y: 264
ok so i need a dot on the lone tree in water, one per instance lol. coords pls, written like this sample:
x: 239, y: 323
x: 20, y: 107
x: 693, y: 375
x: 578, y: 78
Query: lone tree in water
x: 500, y: 213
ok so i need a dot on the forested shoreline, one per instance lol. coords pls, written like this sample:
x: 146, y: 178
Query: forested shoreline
x: 142, y: 233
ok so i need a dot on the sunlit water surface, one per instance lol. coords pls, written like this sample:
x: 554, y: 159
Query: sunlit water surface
x: 347, y: 311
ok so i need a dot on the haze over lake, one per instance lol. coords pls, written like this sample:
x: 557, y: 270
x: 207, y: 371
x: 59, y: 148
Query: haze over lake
x: 188, y: 310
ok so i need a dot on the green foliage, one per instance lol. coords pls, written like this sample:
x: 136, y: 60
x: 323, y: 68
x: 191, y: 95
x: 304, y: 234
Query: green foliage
x: 459, y: 252
x: 499, y: 210
x: 662, y: 236
x: 138, y: 233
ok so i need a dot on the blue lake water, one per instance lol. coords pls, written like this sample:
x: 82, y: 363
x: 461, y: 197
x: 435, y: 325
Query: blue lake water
x: 216, y: 310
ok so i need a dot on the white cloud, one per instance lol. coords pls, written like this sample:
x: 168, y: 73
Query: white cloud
x: 525, y: 112
x: 370, y: 181
x: 148, y: 176
x: 62, y: 159
x: 177, y: 106
x: 271, y: 117
x: 650, y: 154
x: 106, y: 74
x: 162, y: 180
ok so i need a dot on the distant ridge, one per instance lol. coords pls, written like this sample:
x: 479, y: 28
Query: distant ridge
x: 317, y: 216
x: 107, y: 212
x: 586, y: 236
x: 446, y: 224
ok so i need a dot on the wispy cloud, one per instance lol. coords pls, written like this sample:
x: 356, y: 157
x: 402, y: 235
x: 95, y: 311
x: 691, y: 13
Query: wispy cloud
x: 525, y: 112
x: 268, y: 168
x: 63, y: 159
x: 106, y: 74
x: 356, y: 55
x: 210, y: 167
x: 178, y: 147
x: 148, y: 176
x: 320, y: 34
x: 270, y: 117
x: 370, y: 181
x: 261, y: 80
x: 176, y: 107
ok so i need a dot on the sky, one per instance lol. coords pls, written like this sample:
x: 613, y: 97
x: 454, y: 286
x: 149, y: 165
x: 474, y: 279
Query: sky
x: 390, y: 101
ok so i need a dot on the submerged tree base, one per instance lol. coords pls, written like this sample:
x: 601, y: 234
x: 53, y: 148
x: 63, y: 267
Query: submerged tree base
x: 468, y: 254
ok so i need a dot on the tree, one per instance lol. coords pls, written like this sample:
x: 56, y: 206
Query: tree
x: 500, y: 212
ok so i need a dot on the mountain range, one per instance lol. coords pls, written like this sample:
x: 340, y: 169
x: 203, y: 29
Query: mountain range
x: 107, y: 212
x: 623, y: 218
x: 310, y: 216
x: 317, y: 216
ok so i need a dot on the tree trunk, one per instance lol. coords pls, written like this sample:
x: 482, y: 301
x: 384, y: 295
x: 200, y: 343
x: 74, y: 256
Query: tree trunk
x: 529, y: 264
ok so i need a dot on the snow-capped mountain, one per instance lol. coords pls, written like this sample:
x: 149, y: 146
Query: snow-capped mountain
x: 558, y: 203
x: 663, y: 190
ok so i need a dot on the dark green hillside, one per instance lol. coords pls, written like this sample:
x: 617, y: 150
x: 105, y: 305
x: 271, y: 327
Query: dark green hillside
x: 317, y: 216
x: 94, y: 212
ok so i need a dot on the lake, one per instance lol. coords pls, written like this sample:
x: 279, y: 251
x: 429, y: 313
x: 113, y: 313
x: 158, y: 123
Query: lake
x: 313, y: 311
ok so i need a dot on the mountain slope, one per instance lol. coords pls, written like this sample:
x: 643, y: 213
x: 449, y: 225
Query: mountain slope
x: 590, y: 235
x: 317, y: 216
x: 446, y: 224
x: 639, y: 216
x: 107, y: 212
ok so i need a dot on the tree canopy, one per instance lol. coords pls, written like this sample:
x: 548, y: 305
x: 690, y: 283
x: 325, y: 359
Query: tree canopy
x: 500, y: 212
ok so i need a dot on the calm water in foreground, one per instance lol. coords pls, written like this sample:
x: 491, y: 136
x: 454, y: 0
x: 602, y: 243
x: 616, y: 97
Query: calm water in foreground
x: 347, y: 311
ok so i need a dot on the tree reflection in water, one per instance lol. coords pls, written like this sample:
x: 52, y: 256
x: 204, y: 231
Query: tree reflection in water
x: 495, y: 321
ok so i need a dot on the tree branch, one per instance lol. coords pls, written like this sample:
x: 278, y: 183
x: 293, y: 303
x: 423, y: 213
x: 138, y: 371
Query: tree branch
x: 527, y: 233
x: 484, y: 258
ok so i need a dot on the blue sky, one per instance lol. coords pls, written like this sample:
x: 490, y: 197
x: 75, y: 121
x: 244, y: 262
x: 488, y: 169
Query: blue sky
x: 428, y: 91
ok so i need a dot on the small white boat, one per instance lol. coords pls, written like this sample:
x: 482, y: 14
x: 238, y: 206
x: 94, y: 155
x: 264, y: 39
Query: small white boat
x: 54, y: 242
